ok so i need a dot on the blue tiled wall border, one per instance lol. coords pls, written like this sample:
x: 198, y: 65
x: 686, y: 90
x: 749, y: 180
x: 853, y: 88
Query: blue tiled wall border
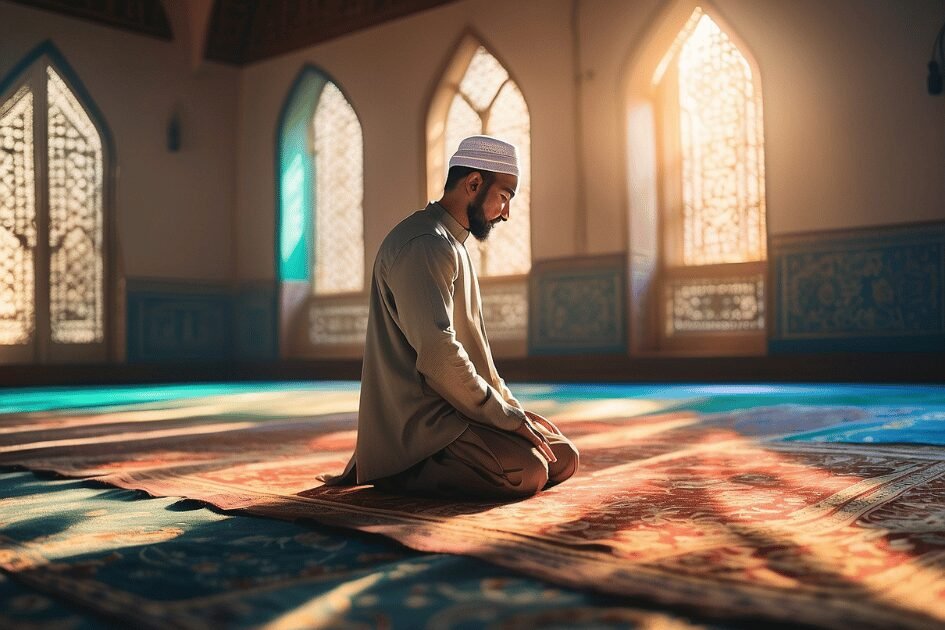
x: 255, y: 321
x: 578, y: 306
x: 868, y: 290
x: 180, y: 320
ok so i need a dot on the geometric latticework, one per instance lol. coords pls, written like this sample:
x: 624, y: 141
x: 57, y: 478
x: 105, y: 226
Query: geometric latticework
x: 505, y: 311
x: 17, y: 219
x: 487, y: 101
x: 710, y: 305
x: 722, y: 151
x: 339, y: 194
x: 76, y: 233
x: 338, y: 323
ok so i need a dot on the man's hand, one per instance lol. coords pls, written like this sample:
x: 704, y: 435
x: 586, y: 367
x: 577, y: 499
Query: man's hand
x: 545, y: 422
x: 531, y: 433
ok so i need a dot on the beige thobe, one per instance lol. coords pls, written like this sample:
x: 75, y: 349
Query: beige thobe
x: 428, y: 370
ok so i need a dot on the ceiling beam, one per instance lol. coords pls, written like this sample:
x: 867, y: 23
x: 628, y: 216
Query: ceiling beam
x: 145, y: 17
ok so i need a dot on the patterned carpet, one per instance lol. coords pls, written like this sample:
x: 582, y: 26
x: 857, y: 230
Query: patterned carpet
x: 78, y: 547
x: 732, y: 502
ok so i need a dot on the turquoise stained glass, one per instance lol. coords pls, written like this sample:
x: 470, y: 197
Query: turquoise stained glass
x: 320, y: 188
x: 296, y: 177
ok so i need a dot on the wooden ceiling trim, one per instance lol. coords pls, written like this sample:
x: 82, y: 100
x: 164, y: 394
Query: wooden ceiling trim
x: 230, y: 24
x: 145, y: 17
x: 244, y: 31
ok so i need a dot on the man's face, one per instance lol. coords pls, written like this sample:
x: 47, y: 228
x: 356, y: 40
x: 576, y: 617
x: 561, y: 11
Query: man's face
x: 491, y: 205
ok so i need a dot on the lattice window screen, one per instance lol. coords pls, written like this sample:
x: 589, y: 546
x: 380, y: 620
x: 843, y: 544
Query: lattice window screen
x: 339, y: 193
x: 710, y: 305
x: 722, y: 151
x: 487, y: 101
x: 75, y: 219
x: 44, y: 122
x: 17, y: 219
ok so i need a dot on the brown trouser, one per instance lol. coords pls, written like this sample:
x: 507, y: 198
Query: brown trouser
x: 484, y: 463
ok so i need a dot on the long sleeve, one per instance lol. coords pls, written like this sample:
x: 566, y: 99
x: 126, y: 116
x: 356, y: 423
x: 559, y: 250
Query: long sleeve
x: 508, y: 395
x: 422, y: 280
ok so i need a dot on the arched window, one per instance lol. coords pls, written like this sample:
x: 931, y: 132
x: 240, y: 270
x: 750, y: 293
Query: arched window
x: 708, y: 145
x: 321, y: 217
x: 485, y: 100
x: 477, y: 95
x: 339, y: 194
x: 321, y: 188
x: 721, y: 149
x: 53, y: 201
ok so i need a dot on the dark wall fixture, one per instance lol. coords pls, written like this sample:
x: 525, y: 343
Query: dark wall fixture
x: 173, y: 133
x: 935, y: 64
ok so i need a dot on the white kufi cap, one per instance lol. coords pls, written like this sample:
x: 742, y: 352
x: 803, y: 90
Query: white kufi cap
x: 486, y: 153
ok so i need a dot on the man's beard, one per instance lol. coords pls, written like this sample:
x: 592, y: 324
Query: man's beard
x: 478, y: 226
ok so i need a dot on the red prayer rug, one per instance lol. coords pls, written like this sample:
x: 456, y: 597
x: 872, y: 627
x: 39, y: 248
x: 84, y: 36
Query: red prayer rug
x: 677, y: 507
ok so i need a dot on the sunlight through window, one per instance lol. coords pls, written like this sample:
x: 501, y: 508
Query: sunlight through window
x: 339, y: 194
x: 74, y: 226
x: 293, y: 199
x: 721, y: 139
x: 17, y: 218
x: 76, y: 231
x: 487, y: 101
x: 713, y: 187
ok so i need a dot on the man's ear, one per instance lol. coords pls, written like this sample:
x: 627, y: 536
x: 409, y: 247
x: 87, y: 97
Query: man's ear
x: 474, y: 181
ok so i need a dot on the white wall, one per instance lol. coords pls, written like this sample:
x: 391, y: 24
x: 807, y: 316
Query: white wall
x: 174, y: 210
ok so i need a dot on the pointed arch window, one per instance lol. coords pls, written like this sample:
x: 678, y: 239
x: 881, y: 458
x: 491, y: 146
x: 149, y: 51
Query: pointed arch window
x: 321, y: 216
x: 477, y: 95
x: 721, y: 150
x: 53, y: 194
x: 18, y: 238
x: 339, y: 195
x: 709, y: 148
x: 485, y: 100
x: 321, y: 189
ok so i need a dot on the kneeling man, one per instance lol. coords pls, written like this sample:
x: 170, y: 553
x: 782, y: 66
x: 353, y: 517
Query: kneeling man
x: 435, y: 418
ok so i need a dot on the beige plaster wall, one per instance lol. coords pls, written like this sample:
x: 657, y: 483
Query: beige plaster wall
x: 852, y: 138
x: 174, y: 210
x: 389, y: 73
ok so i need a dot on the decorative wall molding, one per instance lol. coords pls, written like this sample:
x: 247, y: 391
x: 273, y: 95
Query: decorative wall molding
x: 578, y: 305
x: 174, y: 320
x: 255, y: 321
x: 878, y: 289
x: 338, y: 322
x: 320, y: 327
x: 146, y: 17
x: 874, y: 290
x: 185, y: 320
x: 505, y: 309
x: 713, y: 305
